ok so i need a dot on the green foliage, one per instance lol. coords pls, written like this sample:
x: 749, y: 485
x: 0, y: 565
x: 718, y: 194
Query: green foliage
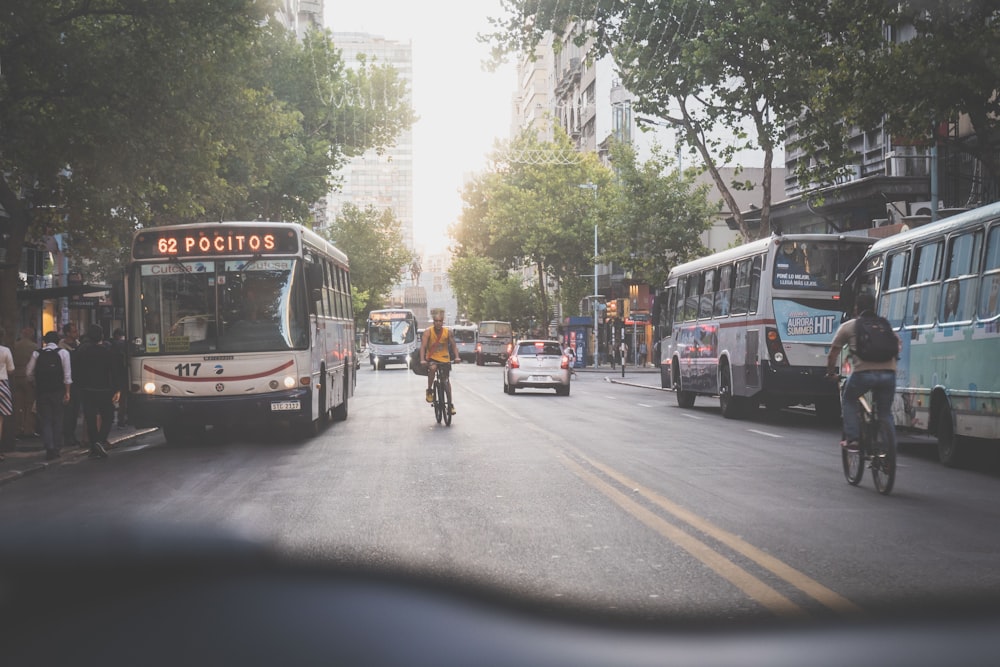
x: 947, y: 68
x: 535, y: 215
x: 806, y: 71
x: 659, y: 217
x: 116, y: 114
x: 373, y: 241
x: 485, y: 292
x: 714, y: 70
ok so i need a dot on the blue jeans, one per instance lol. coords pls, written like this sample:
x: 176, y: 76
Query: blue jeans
x: 883, y: 387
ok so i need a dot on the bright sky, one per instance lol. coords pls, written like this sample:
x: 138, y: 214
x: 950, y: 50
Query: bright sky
x: 462, y: 107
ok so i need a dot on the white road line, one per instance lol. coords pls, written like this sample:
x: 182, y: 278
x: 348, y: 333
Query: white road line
x: 684, y: 414
x: 643, y: 405
x: 770, y: 435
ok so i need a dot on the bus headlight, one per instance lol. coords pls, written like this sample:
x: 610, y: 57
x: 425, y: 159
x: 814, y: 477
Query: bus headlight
x: 289, y: 382
x: 149, y: 387
x: 779, y: 357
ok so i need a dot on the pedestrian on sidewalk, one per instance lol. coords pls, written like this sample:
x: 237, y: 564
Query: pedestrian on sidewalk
x: 98, y: 378
x: 118, y: 346
x: 6, y: 371
x: 24, y: 392
x: 50, y: 371
x: 71, y: 413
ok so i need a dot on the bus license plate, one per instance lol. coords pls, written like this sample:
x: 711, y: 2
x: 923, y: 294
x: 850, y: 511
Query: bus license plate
x: 285, y: 405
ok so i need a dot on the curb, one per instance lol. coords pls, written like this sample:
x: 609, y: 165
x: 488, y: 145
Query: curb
x: 30, y: 466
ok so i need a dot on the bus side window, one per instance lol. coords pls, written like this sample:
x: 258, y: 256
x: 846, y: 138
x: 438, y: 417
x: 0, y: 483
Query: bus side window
x: 755, y: 269
x: 708, y: 280
x: 959, y: 302
x: 678, y: 299
x: 741, y: 292
x: 989, y: 289
x: 893, y: 306
x: 666, y: 306
x: 924, y: 288
x: 724, y: 291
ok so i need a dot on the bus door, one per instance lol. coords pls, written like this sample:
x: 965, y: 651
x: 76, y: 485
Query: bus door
x: 751, y: 361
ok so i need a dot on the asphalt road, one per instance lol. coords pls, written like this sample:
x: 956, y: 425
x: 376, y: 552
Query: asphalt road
x: 612, y: 498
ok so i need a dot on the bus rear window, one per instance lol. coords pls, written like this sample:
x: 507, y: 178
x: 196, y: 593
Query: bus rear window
x: 815, y: 265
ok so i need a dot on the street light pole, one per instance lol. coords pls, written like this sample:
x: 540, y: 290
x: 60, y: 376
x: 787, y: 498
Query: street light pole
x: 595, y: 296
x: 593, y: 188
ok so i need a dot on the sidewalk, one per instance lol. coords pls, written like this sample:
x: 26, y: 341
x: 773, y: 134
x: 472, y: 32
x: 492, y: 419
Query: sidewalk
x: 29, y: 456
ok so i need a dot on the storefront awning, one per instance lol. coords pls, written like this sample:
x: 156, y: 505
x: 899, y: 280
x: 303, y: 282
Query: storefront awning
x: 46, y: 293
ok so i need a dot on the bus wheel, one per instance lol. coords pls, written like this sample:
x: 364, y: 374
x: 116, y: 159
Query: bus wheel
x: 731, y: 406
x: 321, y: 407
x: 305, y: 428
x: 949, y: 444
x: 340, y: 411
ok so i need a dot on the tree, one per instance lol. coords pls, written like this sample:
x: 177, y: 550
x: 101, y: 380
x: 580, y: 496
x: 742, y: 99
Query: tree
x: 373, y: 241
x: 659, y: 216
x: 472, y: 278
x: 535, y: 214
x: 123, y: 113
x: 944, y: 68
x: 707, y: 68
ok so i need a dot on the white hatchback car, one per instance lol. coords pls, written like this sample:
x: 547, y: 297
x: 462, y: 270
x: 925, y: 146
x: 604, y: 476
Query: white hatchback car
x: 537, y: 364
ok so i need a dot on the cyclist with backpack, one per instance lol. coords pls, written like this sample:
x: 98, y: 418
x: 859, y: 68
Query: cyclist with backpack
x: 874, y: 347
x: 50, y: 371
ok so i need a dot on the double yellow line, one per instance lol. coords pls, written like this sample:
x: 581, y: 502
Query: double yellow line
x: 584, y: 467
x: 610, y: 483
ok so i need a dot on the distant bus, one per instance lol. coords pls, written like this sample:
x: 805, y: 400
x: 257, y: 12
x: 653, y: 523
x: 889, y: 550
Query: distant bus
x: 939, y: 285
x: 495, y: 339
x: 237, y: 323
x: 753, y: 325
x: 466, y: 337
x: 392, y: 337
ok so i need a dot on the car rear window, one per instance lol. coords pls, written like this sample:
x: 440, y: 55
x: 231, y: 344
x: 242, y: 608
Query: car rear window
x: 549, y: 349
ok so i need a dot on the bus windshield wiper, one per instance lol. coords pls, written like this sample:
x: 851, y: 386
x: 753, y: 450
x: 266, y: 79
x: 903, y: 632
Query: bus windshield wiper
x: 178, y: 262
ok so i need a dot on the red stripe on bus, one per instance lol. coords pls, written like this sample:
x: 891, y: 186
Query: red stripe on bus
x: 748, y: 323
x: 216, y: 378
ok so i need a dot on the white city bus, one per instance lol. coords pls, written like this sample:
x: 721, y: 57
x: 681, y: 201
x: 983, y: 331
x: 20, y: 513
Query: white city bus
x: 392, y: 337
x: 939, y: 285
x: 752, y: 325
x: 238, y: 323
x: 466, y: 337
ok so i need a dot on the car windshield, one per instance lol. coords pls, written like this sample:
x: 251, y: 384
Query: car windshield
x: 202, y: 203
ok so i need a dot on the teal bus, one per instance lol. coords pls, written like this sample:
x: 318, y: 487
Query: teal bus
x: 939, y: 285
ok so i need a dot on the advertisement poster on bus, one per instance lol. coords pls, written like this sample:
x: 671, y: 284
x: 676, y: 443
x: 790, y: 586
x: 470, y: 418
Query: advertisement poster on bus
x: 805, y: 323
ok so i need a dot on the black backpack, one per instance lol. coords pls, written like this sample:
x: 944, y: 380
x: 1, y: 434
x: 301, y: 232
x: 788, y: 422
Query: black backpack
x: 875, y: 339
x: 48, y: 371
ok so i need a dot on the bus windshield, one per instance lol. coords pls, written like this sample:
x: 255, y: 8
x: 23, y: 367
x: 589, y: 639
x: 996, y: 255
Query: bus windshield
x: 815, y: 265
x: 391, y: 332
x: 225, y: 306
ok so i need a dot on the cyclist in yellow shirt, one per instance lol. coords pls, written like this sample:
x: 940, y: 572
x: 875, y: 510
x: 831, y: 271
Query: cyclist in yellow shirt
x: 438, y: 350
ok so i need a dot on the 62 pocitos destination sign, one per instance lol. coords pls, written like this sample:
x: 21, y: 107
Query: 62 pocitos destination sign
x: 226, y: 240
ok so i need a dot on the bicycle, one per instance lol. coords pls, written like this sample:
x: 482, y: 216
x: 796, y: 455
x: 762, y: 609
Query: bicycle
x: 442, y: 406
x: 876, y: 448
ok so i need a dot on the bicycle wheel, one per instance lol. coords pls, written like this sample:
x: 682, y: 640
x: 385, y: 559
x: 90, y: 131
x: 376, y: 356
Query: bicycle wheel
x: 438, y: 402
x: 442, y: 399
x: 854, y: 465
x: 884, y: 459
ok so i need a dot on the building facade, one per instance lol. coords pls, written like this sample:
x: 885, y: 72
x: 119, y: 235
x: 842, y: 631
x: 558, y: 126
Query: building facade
x: 383, y: 181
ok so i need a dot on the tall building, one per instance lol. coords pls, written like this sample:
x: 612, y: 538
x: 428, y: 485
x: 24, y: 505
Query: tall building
x: 384, y: 181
